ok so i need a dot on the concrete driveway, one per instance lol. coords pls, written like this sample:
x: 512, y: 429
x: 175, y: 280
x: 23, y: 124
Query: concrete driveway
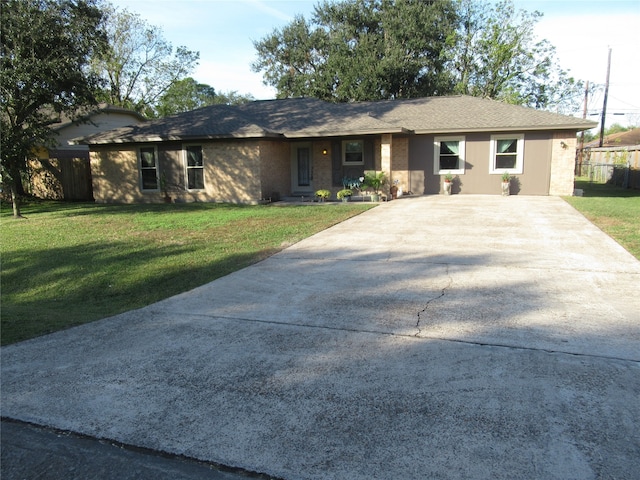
x: 431, y: 337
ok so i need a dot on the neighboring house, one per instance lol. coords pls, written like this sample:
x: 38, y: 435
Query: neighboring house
x: 63, y: 172
x: 271, y: 148
x: 620, y: 139
x: 616, y: 162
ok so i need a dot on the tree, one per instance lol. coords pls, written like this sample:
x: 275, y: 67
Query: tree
x: 590, y: 135
x: 140, y: 65
x: 187, y: 94
x: 45, y: 52
x: 361, y: 50
x: 379, y: 49
x: 232, y: 97
x: 495, y: 55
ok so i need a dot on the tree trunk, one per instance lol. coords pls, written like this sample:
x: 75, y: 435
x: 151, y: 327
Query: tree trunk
x: 15, y: 200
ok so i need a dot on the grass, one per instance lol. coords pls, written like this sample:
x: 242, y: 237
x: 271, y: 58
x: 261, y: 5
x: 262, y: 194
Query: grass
x: 614, y: 210
x: 72, y: 263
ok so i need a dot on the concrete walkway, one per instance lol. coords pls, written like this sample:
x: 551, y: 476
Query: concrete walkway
x: 431, y: 337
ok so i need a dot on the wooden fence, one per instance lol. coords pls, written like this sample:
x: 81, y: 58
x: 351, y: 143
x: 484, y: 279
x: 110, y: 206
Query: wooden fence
x: 61, y: 178
x: 619, y: 166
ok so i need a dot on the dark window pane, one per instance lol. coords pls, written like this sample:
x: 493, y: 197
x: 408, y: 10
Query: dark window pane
x: 449, y: 147
x: 353, y: 147
x: 353, y: 157
x: 196, y: 178
x: 506, y: 161
x: 194, y: 156
x: 149, y: 179
x: 449, y: 162
x: 508, y: 145
x: 148, y: 157
x: 353, y: 152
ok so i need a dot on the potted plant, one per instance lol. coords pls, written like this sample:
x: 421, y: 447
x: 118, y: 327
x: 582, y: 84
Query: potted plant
x: 375, y: 181
x: 345, y: 194
x: 446, y: 185
x: 323, y: 195
x: 506, y: 184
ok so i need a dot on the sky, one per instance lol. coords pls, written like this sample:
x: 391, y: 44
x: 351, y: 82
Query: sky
x: 583, y: 31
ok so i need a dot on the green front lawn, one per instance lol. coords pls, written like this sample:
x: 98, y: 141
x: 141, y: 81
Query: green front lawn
x: 69, y: 263
x: 613, y: 209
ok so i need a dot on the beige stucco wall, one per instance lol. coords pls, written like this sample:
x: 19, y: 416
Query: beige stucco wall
x: 539, y: 150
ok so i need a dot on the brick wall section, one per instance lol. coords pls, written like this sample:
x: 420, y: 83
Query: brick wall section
x: 275, y: 168
x: 322, y: 171
x: 562, y: 164
x: 387, y: 146
x: 400, y: 163
x: 232, y: 172
x: 115, y: 178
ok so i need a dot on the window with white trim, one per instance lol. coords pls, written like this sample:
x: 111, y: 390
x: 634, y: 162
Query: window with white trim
x: 448, y: 155
x: 507, y: 153
x: 194, y: 165
x: 148, y: 161
x: 352, y: 152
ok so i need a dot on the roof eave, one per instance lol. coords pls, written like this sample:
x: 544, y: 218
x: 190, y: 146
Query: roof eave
x: 345, y: 133
x: 531, y: 128
x: 173, y: 138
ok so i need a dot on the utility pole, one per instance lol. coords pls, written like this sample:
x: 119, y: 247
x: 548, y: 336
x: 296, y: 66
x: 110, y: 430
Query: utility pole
x: 584, y: 115
x: 604, y: 106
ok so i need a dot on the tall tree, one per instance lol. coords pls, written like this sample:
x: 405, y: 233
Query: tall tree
x: 496, y: 55
x: 187, y: 94
x: 140, y: 65
x: 45, y: 52
x: 378, y: 49
x: 361, y: 50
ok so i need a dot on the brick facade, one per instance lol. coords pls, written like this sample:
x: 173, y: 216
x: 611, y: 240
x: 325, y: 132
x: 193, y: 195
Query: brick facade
x: 563, y: 151
x: 248, y: 171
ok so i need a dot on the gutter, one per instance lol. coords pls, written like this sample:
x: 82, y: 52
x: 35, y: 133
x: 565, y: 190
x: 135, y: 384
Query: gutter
x: 540, y: 128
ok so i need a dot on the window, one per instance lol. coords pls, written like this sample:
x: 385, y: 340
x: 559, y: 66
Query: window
x: 148, y: 168
x: 353, y: 152
x: 448, y: 155
x: 507, y: 153
x: 195, y: 167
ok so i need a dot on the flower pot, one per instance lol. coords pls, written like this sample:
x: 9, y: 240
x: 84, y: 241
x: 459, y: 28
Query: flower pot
x: 375, y: 197
x: 505, y: 188
x: 447, y: 188
x: 345, y: 199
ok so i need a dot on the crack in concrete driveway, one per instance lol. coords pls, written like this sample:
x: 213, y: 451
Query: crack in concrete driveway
x: 423, y: 312
x: 304, y: 367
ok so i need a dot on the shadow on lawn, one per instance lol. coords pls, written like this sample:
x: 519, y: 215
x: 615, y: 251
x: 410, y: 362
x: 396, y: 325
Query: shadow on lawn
x: 592, y: 189
x: 92, y: 281
x: 65, y: 208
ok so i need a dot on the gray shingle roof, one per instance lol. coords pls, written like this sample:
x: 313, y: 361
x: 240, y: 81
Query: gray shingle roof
x: 308, y: 118
x: 470, y: 114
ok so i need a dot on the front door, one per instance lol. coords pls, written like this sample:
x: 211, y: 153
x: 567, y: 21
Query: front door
x: 301, y: 169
